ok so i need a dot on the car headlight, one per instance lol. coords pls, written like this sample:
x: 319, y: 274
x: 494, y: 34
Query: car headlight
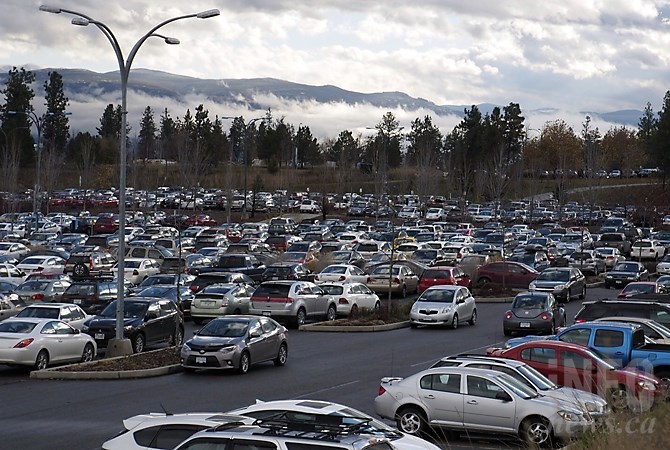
x: 446, y: 309
x: 571, y: 416
x: 559, y: 287
x: 646, y: 385
x: 84, y: 328
x: 531, y: 286
x: 591, y: 407
x: 185, y: 348
x: 227, y: 349
x: 608, y: 277
x: 128, y: 328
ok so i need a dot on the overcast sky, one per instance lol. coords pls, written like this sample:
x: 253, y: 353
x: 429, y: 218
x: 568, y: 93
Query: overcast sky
x: 572, y: 55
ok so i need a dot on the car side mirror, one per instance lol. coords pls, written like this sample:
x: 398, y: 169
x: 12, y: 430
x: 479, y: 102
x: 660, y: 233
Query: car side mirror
x: 255, y: 333
x: 460, y: 300
x: 504, y: 396
x: 150, y: 316
x: 76, y: 331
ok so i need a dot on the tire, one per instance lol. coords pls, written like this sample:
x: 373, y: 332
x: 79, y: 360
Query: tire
x: 178, y: 337
x: 80, y: 270
x: 483, y: 281
x: 282, y: 356
x: 582, y: 296
x: 138, y: 343
x: 507, y: 333
x: 88, y: 353
x: 245, y: 363
x: 300, y: 317
x: 454, y: 322
x: 377, y: 305
x: 413, y: 326
x: 618, y: 398
x: 536, y: 432
x: 331, y: 314
x: 42, y: 360
x: 197, y: 320
x: 473, y: 319
x: 237, y: 312
x: 412, y: 421
x: 354, y: 310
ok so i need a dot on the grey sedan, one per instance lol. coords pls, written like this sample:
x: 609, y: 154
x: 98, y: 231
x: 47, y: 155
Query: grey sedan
x: 444, y: 305
x: 236, y: 342
x: 534, y: 313
x: 564, y: 282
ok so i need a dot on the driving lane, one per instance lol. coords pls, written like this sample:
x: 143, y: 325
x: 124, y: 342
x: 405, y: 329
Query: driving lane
x: 339, y: 367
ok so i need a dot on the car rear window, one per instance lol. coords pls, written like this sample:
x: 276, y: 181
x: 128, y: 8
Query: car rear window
x: 272, y: 290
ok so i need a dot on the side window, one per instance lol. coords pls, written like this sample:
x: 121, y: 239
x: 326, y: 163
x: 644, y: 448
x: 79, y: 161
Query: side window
x: 252, y: 445
x: 49, y: 328
x: 442, y: 382
x: 62, y: 328
x: 539, y: 354
x: 66, y: 314
x: 76, y: 314
x: 137, y: 253
x: 575, y: 360
x: 579, y: 336
x: 608, y: 338
x: 166, y: 308
x: 165, y: 437
x: 481, y: 387
x: 254, y: 327
x: 267, y: 325
x: 154, y: 254
x: 153, y: 310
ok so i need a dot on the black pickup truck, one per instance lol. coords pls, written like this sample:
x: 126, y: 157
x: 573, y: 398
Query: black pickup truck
x: 247, y: 264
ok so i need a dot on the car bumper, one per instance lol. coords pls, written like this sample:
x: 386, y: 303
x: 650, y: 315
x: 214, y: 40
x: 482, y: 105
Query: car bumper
x: 210, y: 360
x: 19, y: 356
x: 431, y: 319
x: 527, y: 326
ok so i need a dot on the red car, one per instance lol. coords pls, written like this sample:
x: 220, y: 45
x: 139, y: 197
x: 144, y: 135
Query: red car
x: 200, y: 220
x: 438, y: 275
x: 578, y: 367
x: 108, y: 224
x: 509, y: 273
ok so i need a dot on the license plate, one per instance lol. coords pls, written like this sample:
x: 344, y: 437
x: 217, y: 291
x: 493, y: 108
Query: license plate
x: 201, y: 360
x: 267, y: 313
x: 618, y: 281
x: 524, y: 324
x: 274, y: 278
x: 207, y: 303
x: 99, y: 336
x: 77, y: 301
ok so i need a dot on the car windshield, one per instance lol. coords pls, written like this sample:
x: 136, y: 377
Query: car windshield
x: 131, y: 310
x: 16, y: 327
x: 516, y: 386
x: 529, y: 302
x: 437, y: 296
x: 33, y: 261
x: 225, y: 328
x: 156, y: 291
x: 429, y: 254
x: 571, y: 238
x: 335, y: 269
x: 554, y: 275
x: 626, y: 267
x: 33, y: 286
x: 538, y: 380
x: 641, y: 288
x: 81, y: 289
x: 44, y: 313
x: 386, y: 270
x: 216, y: 289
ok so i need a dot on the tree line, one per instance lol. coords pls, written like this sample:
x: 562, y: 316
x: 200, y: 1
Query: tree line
x: 483, y: 156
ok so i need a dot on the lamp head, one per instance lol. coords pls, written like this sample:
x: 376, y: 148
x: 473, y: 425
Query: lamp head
x: 207, y: 14
x: 80, y: 21
x: 171, y: 41
x: 50, y: 9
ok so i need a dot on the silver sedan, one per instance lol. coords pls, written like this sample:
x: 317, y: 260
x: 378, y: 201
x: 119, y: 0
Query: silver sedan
x: 444, y: 305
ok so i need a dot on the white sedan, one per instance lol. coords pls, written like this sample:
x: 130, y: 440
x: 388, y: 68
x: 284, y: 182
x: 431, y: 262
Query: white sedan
x: 137, y: 269
x: 38, y: 343
x: 43, y: 264
x: 344, y: 273
x: 351, y: 297
x: 647, y: 248
x: 71, y: 314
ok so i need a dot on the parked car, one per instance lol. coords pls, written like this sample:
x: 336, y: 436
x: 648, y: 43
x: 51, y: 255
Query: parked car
x: 91, y: 295
x: 610, y: 255
x: 10, y: 305
x: 587, y: 261
x: 624, y: 273
x: 179, y: 294
x: 534, y: 312
x: 236, y: 342
x: 465, y: 399
x: 89, y: 264
x: 563, y: 282
x: 344, y: 273
x: 574, y: 365
x: 39, y: 343
x: 41, y: 290
x: 508, y: 273
x: 293, y: 301
x: 147, y: 321
x: 351, y: 297
x: 137, y: 270
x: 42, y: 264
x: 642, y: 287
x: 287, y: 271
x: 653, y: 330
x: 205, y: 279
x: 221, y: 299
x: 591, y: 404
x: 73, y: 315
x: 9, y: 272
x: 440, y: 275
x: 448, y: 305
x: 663, y: 267
x: 647, y: 249
x: 659, y: 312
x: 398, y: 278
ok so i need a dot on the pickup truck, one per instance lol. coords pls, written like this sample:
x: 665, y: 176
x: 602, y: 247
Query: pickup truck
x: 237, y: 262
x: 624, y: 343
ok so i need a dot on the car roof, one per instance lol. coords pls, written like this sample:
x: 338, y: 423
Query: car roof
x: 195, y: 418
x: 307, y: 406
x: 484, y: 358
x: 445, y: 287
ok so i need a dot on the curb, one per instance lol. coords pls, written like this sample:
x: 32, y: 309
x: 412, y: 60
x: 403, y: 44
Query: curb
x: 354, y: 329
x: 55, y: 374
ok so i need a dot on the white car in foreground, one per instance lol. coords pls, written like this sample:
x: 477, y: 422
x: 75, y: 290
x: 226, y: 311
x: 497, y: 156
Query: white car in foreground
x: 647, y: 249
x: 38, y: 343
x: 45, y: 265
x: 351, y: 297
x: 316, y: 409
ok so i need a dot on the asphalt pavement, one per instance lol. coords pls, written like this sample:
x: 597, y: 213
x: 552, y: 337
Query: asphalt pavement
x: 339, y: 367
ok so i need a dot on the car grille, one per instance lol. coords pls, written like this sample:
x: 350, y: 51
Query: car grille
x: 210, y: 362
x: 206, y: 348
x: 428, y: 312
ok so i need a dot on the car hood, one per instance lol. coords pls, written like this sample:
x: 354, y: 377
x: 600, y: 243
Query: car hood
x: 432, y: 305
x: 555, y: 402
x: 575, y: 395
x: 629, y: 373
x: 214, y: 341
x: 548, y: 283
x: 528, y: 313
x: 105, y: 322
x: 620, y: 273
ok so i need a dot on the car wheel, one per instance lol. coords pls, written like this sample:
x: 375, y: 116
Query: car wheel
x: 197, y: 320
x: 618, y: 398
x: 413, y: 325
x: 454, y: 322
x: 87, y: 355
x: 138, y: 343
x: 237, y: 312
x: 536, y: 431
x: 354, y: 310
x: 300, y: 317
x: 42, y: 360
x: 582, y: 296
x: 377, y: 305
x: 411, y: 421
x: 483, y: 281
x: 331, y: 314
x: 178, y: 337
x: 245, y: 362
x: 80, y: 270
x: 473, y: 319
x: 282, y: 356
x: 507, y: 332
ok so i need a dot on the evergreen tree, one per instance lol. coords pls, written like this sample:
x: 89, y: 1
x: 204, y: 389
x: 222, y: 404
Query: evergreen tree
x: 56, y: 125
x: 146, y: 142
x: 16, y: 124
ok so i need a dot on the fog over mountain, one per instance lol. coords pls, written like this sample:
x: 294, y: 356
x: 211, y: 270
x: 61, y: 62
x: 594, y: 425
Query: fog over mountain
x: 327, y: 110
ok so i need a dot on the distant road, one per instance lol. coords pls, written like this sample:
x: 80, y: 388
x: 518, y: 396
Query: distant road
x: 549, y: 195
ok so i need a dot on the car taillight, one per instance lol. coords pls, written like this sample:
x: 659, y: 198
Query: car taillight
x: 343, y: 301
x: 316, y: 278
x: 508, y: 315
x: 38, y: 296
x: 342, y: 278
x: 459, y: 255
x: 90, y: 263
x: 396, y: 280
x: 544, y: 316
x: 193, y: 287
x: 24, y: 343
x: 368, y: 280
x: 579, y: 321
x: 381, y: 390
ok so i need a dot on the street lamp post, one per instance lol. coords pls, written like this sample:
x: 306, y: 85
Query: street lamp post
x: 122, y: 346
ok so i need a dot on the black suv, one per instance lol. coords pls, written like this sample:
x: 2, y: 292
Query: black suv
x: 147, y: 321
x: 660, y: 312
x: 91, y: 295
x: 89, y: 264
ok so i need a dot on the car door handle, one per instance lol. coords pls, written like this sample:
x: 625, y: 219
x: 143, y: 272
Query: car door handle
x: 472, y: 402
x: 430, y: 396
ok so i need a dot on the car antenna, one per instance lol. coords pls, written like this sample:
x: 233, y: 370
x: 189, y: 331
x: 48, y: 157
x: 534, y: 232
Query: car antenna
x: 165, y: 410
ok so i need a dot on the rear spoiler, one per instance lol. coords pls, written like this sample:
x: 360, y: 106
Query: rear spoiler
x: 391, y: 379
